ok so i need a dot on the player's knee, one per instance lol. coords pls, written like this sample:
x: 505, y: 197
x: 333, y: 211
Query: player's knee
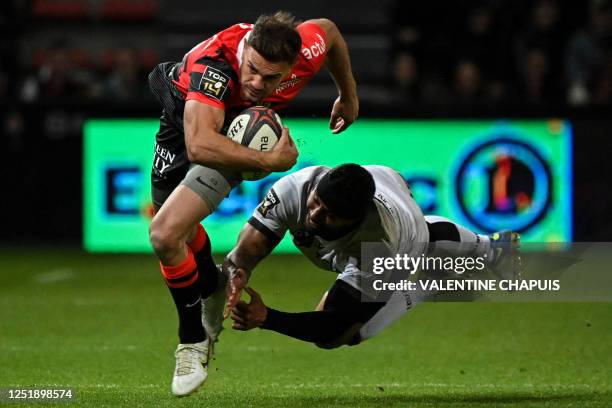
x: 327, y: 346
x: 348, y: 337
x: 163, y: 238
x: 158, y: 241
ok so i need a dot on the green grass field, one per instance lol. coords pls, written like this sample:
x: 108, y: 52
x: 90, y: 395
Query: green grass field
x: 105, y: 325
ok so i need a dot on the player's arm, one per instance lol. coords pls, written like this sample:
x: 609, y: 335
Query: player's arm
x: 252, y: 247
x: 337, y: 323
x: 338, y: 63
x: 206, y: 146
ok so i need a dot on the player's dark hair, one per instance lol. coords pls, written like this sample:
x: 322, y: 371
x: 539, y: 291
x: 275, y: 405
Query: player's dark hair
x: 275, y: 37
x: 347, y: 190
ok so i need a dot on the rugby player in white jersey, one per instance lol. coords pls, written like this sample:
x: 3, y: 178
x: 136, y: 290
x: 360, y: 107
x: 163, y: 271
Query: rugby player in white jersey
x: 329, y: 214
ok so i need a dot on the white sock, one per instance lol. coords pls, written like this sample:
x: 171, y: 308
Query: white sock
x: 470, y: 243
x: 398, y: 305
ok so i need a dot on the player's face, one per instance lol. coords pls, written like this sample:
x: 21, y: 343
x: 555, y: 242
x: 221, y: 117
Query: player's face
x: 322, y: 222
x: 259, y: 77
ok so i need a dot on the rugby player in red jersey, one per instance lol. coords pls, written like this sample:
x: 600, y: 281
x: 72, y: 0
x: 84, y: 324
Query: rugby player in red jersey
x: 195, y: 166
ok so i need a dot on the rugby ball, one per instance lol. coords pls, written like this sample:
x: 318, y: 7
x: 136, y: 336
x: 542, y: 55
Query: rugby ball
x: 257, y: 128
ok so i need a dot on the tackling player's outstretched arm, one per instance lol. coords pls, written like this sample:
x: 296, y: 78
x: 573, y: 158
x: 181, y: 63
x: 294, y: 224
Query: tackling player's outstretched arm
x: 252, y: 247
x: 206, y: 146
x: 338, y: 63
x: 336, y: 324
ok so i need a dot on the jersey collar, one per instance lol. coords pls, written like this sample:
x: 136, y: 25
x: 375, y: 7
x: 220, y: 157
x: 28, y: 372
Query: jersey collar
x: 240, y: 49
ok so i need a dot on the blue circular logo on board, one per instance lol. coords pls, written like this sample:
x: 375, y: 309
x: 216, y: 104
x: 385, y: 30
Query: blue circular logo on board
x: 504, y: 184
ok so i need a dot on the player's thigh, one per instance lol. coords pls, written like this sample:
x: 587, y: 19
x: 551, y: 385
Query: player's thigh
x: 211, y: 185
x: 197, y: 196
x: 181, y: 211
x: 397, y: 306
x: 345, y: 298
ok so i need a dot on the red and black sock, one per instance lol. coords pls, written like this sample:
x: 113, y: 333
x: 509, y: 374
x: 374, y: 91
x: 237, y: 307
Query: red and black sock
x: 202, y: 252
x: 183, y: 280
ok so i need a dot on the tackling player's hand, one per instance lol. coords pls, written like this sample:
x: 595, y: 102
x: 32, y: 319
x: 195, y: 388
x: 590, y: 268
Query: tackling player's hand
x: 247, y: 316
x: 237, y: 282
x: 344, y: 113
x: 284, y: 154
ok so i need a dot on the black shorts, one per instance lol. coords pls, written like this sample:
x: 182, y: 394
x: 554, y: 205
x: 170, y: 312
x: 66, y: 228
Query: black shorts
x: 345, y: 299
x: 170, y: 161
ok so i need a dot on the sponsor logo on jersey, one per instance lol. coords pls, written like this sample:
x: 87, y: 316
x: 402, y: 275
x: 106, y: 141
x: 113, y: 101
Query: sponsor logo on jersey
x: 288, y: 83
x: 316, y: 49
x: 384, y: 201
x: 269, y: 202
x: 214, y: 83
x: 163, y: 159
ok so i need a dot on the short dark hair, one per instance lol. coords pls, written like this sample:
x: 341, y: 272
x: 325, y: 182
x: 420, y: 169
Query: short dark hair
x: 275, y: 37
x: 347, y: 190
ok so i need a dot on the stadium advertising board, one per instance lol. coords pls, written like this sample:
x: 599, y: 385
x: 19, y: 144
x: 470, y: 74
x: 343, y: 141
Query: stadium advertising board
x: 487, y: 175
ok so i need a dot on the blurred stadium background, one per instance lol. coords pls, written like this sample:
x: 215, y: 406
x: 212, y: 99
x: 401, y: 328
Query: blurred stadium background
x: 429, y: 73
x: 63, y: 62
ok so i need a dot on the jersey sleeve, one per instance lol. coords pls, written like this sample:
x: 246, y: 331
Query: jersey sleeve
x: 211, y: 81
x: 314, y: 44
x: 278, y: 210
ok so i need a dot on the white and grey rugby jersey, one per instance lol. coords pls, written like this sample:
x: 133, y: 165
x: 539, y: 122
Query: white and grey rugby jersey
x: 396, y: 219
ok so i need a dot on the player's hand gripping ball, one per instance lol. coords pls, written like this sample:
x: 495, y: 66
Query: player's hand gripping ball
x: 257, y: 128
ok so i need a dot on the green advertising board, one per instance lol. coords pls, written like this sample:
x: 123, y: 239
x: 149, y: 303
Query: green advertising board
x: 486, y: 175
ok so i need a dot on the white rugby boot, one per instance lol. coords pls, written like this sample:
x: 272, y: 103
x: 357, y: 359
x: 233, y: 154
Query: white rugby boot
x: 191, y: 367
x: 214, y: 306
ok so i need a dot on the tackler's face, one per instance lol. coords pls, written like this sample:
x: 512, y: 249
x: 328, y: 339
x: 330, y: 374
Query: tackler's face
x: 322, y: 222
x: 258, y: 76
